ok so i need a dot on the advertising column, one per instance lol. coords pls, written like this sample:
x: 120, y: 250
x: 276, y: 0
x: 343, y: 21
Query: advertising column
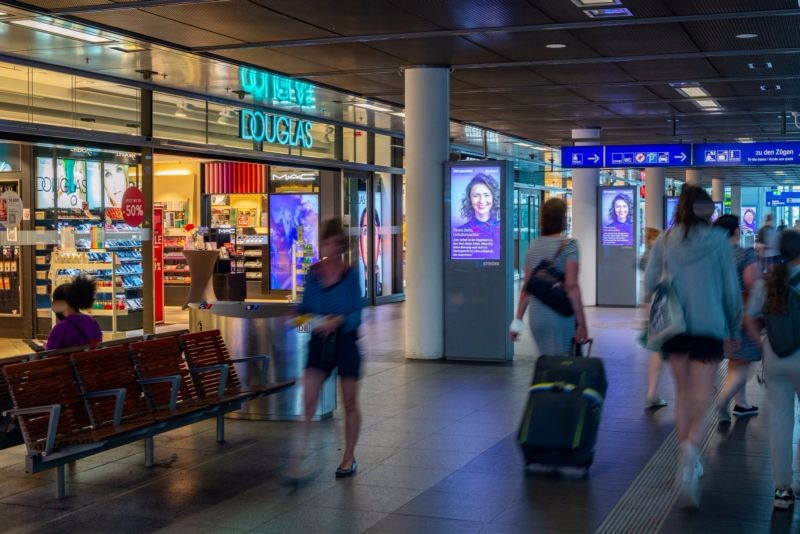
x: 478, y: 291
x: 617, y: 273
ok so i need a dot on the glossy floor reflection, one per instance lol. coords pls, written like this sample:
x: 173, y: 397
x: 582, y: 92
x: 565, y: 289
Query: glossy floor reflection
x: 437, y: 454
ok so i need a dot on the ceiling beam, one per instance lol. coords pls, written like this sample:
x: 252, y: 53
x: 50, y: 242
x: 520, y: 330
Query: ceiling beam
x: 463, y: 32
x: 141, y: 4
x: 566, y: 62
x: 593, y: 85
x: 629, y: 102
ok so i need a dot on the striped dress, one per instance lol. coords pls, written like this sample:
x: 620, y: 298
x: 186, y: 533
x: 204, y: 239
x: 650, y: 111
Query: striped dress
x: 552, y: 332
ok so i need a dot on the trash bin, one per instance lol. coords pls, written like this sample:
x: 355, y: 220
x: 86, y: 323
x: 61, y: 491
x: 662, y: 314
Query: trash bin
x: 255, y: 329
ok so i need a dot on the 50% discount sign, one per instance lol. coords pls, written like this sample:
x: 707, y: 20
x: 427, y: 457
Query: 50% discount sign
x: 133, y: 206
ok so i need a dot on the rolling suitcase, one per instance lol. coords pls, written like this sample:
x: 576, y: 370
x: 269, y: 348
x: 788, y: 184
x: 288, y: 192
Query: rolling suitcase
x: 562, y: 416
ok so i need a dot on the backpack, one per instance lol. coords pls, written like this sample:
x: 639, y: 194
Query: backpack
x: 783, y: 330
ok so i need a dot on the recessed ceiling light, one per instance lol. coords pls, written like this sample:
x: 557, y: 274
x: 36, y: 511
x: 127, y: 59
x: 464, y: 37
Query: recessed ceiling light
x: 526, y: 145
x: 607, y: 13
x: 747, y: 36
x: 596, y: 3
x: 398, y: 113
x: 555, y: 45
x: 62, y: 31
x: 129, y: 48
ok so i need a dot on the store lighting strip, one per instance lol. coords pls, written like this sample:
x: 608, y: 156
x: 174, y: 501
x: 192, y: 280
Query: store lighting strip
x: 372, y: 107
x: 61, y: 31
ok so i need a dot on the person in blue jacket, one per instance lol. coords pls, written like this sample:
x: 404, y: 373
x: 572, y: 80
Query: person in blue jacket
x: 332, y: 296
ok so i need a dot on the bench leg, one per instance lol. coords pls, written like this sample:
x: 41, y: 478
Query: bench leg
x: 149, y: 452
x: 61, y: 486
x: 221, y: 428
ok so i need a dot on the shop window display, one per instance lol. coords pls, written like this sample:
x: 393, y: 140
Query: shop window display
x: 79, y: 195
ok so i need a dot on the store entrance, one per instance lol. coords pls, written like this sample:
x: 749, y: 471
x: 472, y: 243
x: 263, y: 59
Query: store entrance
x: 371, y: 208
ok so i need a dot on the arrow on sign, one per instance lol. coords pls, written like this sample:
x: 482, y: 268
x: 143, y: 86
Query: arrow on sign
x: 681, y: 157
x: 594, y: 159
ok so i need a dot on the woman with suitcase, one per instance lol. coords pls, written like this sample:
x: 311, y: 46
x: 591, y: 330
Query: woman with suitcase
x: 553, y: 332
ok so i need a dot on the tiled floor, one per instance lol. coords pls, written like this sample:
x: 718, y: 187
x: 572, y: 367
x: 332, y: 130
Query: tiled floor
x: 437, y: 454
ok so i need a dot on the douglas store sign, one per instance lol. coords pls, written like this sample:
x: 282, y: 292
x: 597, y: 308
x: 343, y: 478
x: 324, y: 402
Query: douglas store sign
x: 264, y: 127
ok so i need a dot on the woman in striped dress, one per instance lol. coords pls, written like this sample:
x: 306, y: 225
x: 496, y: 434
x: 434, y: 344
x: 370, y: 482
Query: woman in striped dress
x: 552, y: 332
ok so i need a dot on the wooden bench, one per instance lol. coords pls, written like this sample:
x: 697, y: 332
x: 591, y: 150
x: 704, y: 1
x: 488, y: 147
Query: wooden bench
x: 72, y: 407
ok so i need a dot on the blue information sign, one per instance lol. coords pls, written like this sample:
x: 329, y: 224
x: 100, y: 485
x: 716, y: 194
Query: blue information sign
x: 582, y: 156
x: 648, y: 155
x: 785, y: 198
x: 739, y: 154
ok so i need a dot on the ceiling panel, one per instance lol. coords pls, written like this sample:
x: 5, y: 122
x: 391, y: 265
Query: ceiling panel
x: 771, y: 33
x: 589, y: 73
x: 606, y: 94
x: 239, y: 19
x: 672, y: 70
x: 441, y: 51
x: 693, y: 7
x: 638, y: 40
x: 548, y: 97
x: 455, y: 14
x: 350, y: 17
x: 500, y: 77
x: 273, y: 60
x: 532, y: 45
x: 188, y: 35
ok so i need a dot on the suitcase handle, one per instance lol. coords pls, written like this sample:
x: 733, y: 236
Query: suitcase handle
x: 576, y: 349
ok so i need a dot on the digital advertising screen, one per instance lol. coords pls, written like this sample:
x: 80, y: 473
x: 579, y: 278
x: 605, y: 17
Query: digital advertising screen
x: 475, y: 213
x: 10, y: 157
x: 94, y: 184
x: 45, y: 184
x: 670, y: 204
x: 718, y: 210
x: 287, y: 213
x: 749, y: 220
x: 115, y: 182
x: 363, y: 242
x: 618, y: 213
x: 71, y: 180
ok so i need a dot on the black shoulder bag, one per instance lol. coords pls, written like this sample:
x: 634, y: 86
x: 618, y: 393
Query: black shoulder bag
x: 546, y: 283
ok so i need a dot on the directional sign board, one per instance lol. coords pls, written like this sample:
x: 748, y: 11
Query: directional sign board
x: 785, y: 198
x: 740, y: 154
x: 578, y: 157
x: 647, y: 155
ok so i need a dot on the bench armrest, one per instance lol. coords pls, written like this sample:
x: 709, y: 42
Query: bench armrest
x: 118, y: 405
x: 262, y: 375
x: 223, y: 375
x: 52, y: 426
x: 174, y: 380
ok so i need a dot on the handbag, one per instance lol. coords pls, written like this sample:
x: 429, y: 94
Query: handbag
x: 546, y: 283
x: 666, y: 313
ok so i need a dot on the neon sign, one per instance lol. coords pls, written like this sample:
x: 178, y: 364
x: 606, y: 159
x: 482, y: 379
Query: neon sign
x: 263, y: 127
x: 278, y: 90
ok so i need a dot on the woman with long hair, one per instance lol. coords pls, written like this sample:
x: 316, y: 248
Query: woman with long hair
x: 782, y: 375
x: 552, y: 332
x: 735, y: 387
x: 698, y: 262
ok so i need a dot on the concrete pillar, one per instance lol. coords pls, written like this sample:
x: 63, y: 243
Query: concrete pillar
x: 693, y: 177
x: 654, y: 197
x: 427, y: 146
x: 584, y: 229
x: 736, y: 200
x: 718, y: 189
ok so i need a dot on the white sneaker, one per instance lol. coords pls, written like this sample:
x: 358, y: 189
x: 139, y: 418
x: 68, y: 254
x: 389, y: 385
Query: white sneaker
x: 689, y: 473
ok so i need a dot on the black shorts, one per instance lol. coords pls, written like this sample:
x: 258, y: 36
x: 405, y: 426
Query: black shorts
x: 348, y: 357
x: 700, y: 348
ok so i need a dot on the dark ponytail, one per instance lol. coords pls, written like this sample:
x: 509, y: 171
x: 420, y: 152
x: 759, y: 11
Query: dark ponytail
x: 778, y: 277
